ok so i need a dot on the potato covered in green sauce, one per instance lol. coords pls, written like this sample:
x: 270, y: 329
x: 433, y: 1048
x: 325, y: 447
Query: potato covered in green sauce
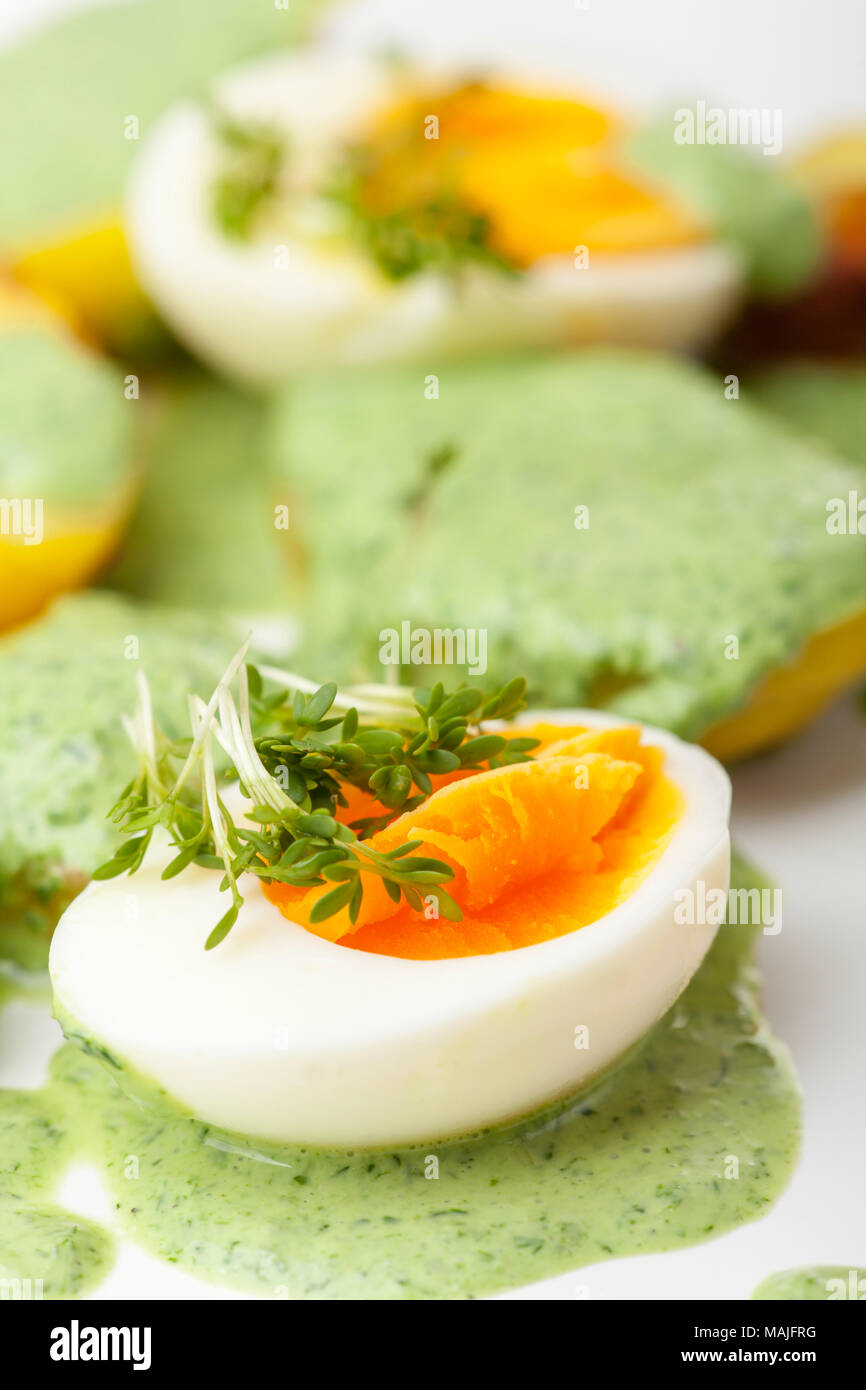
x: 64, y: 757
x: 614, y: 524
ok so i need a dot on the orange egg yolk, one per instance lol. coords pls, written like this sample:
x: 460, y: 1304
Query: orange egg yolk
x: 538, y: 849
x: 541, y: 170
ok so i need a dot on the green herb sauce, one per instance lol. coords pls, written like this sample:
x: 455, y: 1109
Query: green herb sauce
x: 758, y: 211
x: 814, y: 1283
x: 628, y: 610
x: 821, y: 400
x: 74, y: 670
x: 66, y: 431
x: 66, y: 89
x: 204, y: 534
x: 637, y: 1164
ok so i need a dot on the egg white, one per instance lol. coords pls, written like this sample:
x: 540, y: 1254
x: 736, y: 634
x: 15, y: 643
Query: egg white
x: 262, y: 310
x: 279, y: 1034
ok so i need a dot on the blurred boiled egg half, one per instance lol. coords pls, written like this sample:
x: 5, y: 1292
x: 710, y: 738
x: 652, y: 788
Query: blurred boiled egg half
x: 571, y: 869
x: 326, y: 208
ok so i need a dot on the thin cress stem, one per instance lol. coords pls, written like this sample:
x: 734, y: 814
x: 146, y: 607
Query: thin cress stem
x: 146, y: 712
x: 204, y: 728
x: 366, y: 699
x: 215, y: 814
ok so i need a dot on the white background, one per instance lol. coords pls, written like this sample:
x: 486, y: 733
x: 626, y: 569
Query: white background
x: 801, y: 813
x: 805, y: 57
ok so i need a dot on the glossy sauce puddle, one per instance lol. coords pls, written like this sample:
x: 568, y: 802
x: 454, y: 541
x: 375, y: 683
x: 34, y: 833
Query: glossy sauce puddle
x: 696, y: 1133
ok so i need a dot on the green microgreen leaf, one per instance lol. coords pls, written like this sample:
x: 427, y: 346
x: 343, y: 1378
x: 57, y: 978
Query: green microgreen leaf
x: 446, y: 906
x: 317, y: 825
x: 404, y: 849
x: 222, y: 928
x: 438, y: 761
x: 317, y: 705
x: 378, y: 742
x: 254, y: 681
x: 355, y: 902
x: 331, y: 902
x: 393, y: 890
x: 180, y: 862
x: 110, y: 869
x: 478, y: 750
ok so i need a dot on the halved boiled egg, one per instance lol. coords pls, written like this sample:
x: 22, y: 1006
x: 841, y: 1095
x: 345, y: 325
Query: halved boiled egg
x: 570, y: 871
x: 333, y: 208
